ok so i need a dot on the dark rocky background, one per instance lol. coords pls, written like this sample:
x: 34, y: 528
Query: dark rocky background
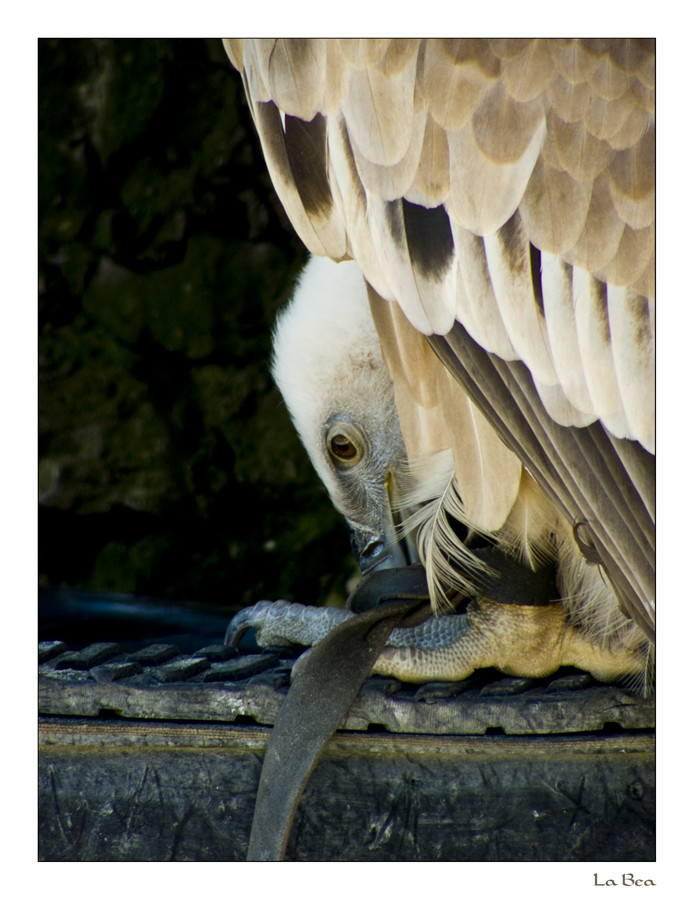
x: 168, y: 464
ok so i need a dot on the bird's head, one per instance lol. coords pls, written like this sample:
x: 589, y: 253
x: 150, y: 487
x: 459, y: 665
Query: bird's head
x: 328, y: 366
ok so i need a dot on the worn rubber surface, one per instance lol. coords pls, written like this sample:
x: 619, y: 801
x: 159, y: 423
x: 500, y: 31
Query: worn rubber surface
x: 156, y: 754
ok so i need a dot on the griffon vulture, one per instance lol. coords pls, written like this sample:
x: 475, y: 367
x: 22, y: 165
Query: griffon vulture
x: 497, y: 196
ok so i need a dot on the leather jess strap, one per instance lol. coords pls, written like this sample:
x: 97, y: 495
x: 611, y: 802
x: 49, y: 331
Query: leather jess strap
x: 319, y: 697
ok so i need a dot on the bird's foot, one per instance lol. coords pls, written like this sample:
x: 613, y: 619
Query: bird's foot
x: 280, y: 623
x: 525, y: 641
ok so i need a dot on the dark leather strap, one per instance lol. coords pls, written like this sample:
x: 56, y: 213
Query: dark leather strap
x: 383, y: 585
x: 318, y: 700
x: 513, y: 582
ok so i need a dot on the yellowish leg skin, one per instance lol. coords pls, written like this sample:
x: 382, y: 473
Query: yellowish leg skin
x: 526, y: 641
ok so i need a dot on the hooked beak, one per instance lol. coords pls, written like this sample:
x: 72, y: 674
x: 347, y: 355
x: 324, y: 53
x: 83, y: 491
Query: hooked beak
x: 376, y: 549
x: 381, y: 548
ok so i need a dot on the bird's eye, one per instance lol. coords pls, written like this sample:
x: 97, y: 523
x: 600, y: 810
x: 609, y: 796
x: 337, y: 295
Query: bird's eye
x: 342, y: 447
x: 343, y: 444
